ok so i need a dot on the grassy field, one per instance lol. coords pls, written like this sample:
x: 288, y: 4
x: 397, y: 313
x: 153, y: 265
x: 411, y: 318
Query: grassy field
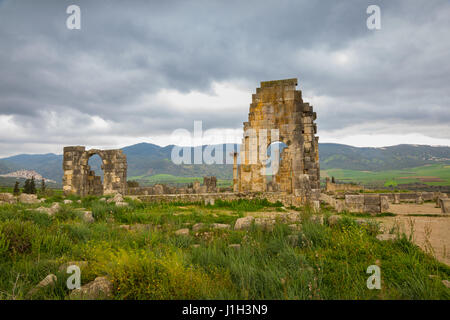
x: 424, y: 174
x: 150, y: 261
x: 171, y: 179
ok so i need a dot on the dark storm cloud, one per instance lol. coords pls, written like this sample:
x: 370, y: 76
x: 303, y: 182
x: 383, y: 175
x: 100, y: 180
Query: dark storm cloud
x: 108, y: 81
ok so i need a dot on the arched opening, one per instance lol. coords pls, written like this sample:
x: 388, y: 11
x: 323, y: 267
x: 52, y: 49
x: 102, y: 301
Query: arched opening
x: 274, y: 158
x: 95, y: 175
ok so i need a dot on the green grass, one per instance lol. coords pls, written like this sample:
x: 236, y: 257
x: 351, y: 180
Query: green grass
x: 151, y: 262
x: 384, y: 178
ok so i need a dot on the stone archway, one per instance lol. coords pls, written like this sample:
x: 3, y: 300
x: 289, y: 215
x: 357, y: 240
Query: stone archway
x: 81, y: 180
x: 278, y: 113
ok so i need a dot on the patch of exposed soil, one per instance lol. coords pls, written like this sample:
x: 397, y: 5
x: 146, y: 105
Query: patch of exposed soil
x: 412, y: 208
x: 430, y: 233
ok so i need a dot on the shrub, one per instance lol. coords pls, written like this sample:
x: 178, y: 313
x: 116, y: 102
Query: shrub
x: 143, y: 275
x: 65, y: 213
x: 4, y: 244
x: 314, y: 235
x: 19, y: 235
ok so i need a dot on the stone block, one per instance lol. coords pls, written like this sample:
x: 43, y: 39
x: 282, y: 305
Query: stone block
x: 372, y: 208
x: 445, y: 205
x: 384, y: 203
x: 354, y: 199
x: 372, y: 199
x: 243, y: 223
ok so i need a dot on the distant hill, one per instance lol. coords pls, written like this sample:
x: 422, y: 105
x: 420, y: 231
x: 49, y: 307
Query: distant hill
x: 339, y: 156
x: 145, y: 159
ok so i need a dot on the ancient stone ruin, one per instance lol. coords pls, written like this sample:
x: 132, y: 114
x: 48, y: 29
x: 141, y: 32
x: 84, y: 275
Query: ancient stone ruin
x: 332, y: 187
x: 210, y: 183
x: 209, y: 186
x: 79, y: 179
x: 278, y: 114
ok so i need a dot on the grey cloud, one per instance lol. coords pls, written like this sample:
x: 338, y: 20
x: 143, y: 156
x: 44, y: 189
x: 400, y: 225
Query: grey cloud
x: 126, y: 50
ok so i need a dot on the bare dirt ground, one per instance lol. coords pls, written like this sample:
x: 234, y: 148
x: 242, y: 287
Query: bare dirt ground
x: 431, y: 233
x: 412, y: 208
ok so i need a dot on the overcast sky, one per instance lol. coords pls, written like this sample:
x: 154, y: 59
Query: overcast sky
x: 138, y: 70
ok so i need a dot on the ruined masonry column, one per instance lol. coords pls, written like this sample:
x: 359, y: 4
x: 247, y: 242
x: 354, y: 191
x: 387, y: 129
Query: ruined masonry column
x: 235, y: 173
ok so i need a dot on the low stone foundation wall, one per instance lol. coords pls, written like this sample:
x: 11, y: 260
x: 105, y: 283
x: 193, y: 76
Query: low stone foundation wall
x: 342, y: 187
x: 379, y: 202
x: 371, y: 203
x: 358, y: 203
x: 414, y: 197
x: 285, y: 199
x: 209, y: 186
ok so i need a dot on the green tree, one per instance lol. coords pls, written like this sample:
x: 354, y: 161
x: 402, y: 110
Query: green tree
x: 32, y: 186
x: 43, y: 186
x: 16, y: 190
x: 26, y: 186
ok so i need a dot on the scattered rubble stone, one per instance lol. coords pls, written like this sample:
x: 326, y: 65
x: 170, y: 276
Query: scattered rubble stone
x: 333, y: 220
x: 88, y: 217
x: 317, y: 219
x: 265, y: 224
x: 243, y: 223
x: 220, y: 226
x: 198, y: 226
x: 100, y: 288
x: 292, y: 239
x: 50, y: 211
x: 293, y: 217
x: 386, y: 237
x: 28, y: 198
x: 117, y: 198
x: 8, y: 198
x: 122, y: 204
x: 182, y: 232
x: 49, y: 280
x: 295, y: 227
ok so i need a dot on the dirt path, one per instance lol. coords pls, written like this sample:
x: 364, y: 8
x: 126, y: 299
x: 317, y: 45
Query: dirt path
x: 430, y: 233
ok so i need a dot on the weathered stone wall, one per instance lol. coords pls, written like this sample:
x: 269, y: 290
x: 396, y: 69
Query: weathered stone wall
x: 342, y: 187
x: 358, y: 203
x: 210, y: 183
x: 286, y: 199
x: 278, y: 105
x: 80, y: 179
x: 379, y: 202
x: 414, y: 197
x: 209, y: 186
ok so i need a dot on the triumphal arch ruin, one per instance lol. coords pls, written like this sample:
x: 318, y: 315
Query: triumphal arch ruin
x: 79, y: 179
x: 278, y: 114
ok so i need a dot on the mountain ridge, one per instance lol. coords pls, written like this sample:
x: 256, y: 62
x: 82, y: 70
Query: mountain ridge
x: 145, y: 159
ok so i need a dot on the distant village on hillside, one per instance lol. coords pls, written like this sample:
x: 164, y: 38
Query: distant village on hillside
x: 26, y: 174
